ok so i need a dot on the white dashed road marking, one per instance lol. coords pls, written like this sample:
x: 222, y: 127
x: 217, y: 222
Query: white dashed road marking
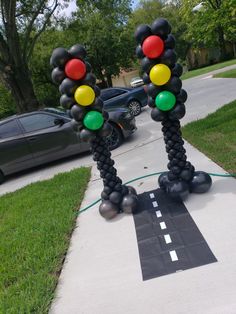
x: 152, y: 195
x: 154, y: 204
x: 167, y: 238
x: 163, y: 225
x: 158, y: 213
x: 173, y: 256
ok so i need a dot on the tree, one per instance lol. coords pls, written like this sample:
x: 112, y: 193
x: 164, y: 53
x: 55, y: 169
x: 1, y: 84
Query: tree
x: 22, y: 22
x: 149, y: 10
x: 212, y: 24
x: 100, y: 26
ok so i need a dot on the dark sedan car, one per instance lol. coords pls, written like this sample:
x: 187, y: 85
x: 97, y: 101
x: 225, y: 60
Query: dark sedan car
x: 132, y: 98
x: 35, y: 138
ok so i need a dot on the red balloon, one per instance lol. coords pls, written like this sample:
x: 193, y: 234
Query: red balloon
x: 153, y: 46
x: 75, y: 69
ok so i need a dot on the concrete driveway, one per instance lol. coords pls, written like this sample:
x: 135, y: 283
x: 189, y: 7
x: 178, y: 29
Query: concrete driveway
x: 205, y: 96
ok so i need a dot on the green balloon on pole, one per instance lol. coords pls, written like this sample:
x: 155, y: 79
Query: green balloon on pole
x: 165, y: 101
x: 93, y: 120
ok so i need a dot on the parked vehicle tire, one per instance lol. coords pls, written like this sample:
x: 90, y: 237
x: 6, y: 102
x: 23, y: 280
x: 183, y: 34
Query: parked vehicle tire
x: 134, y: 107
x: 116, y: 137
x: 2, y: 177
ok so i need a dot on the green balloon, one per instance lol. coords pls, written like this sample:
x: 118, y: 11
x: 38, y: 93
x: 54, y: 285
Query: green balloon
x: 165, y: 101
x: 93, y: 120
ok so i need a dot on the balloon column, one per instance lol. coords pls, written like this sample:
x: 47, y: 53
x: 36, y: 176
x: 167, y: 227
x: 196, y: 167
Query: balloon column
x: 80, y: 95
x: 166, y: 98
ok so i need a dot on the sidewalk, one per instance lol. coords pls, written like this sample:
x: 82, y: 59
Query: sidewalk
x: 102, y: 273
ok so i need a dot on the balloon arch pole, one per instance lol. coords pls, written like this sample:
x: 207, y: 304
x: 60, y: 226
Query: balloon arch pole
x: 80, y: 95
x: 162, y: 74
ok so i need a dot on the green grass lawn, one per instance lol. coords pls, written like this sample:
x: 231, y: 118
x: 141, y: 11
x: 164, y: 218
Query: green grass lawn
x: 207, y: 69
x: 35, y: 228
x: 215, y: 136
x: 227, y: 74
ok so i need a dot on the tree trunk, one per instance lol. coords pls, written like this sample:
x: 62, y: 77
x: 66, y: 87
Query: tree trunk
x: 109, y: 80
x: 18, y: 80
x: 221, y: 40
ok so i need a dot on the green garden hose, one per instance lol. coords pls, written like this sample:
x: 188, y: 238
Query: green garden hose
x: 150, y: 175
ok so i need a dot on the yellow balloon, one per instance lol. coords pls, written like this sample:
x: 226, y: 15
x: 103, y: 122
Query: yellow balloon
x: 160, y: 74
x: 84, y: 95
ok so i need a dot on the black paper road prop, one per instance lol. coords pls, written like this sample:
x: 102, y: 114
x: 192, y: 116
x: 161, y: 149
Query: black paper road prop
x: 168, y: 239
x: 166, y: 98
x: 80, y: 95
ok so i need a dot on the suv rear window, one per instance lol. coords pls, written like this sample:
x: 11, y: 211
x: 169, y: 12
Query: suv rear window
x: 9, y: 129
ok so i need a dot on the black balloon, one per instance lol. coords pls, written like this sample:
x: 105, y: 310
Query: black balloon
x: 182, y: 96
x: 174, y: 85
x: 106, y: 130
x: 75, y: 125
x: 147, y: 64
x: 78, y: 112
x: 186, y: 175
x: 142, y: 32
x: 170, y: 42
x: 89, y: 79
x: 177, y: 70
x: 163, y: 180
x: 151, y: 102
x: 153, y: 90
x: 129, y: 203
x: 168, y: 57
x: 88, y: 67
x: 139, y: 52
x: 157, y: 115
x: 66, y: 101
x: 108, y: 210
x: 115, y: 197
x: 59, y: 57
x: 132, y: 190
x: 68, y: 87
x: 178, y: 112
x: 161, y: 27
x: 78, y: 51
x: 97, y: 91
x: 86, y: 135
x: 178, y: 190
x: 57, y: 75
x: 201, y: 182
x: 146, y: 78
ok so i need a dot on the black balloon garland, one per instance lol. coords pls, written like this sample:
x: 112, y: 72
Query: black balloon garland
x: 80, y: 95
x: 166, y: 98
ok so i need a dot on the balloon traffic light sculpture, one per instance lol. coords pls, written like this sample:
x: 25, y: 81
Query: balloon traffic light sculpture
x: 166, y: 98
x: 80, y: 95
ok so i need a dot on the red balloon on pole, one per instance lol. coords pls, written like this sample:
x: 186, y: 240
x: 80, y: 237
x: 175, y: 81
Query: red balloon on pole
x: 75, y: 69
x: 153, y: 46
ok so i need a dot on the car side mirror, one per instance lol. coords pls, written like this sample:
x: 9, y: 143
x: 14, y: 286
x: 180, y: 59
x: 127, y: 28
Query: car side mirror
x: 59, y: 121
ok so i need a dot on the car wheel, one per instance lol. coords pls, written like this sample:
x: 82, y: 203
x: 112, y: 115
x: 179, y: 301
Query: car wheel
x: 134, y: 107
x: 2, y: 177
x: 115, y: 139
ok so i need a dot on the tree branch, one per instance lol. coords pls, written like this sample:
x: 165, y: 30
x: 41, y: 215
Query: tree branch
x: 30, y: 26
x: 31, y: 47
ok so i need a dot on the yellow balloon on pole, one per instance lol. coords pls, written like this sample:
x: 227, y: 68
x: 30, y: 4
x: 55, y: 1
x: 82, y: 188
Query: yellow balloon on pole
x: 160, y: 74
x: 84, y: 95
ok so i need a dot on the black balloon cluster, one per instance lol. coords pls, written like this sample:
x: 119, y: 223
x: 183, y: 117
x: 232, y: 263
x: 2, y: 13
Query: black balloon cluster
x: 166, y: 98
x: 80, y: 95
x: 79, y: 91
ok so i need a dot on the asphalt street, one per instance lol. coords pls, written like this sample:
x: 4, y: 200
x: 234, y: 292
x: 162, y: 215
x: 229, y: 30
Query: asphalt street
x: 205, y: 95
